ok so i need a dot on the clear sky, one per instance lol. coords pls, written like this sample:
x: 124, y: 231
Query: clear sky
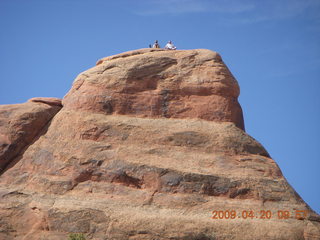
x: 272, y: 47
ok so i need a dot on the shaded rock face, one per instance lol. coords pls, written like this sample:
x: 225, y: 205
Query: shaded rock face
x: 20, y: 124
x: 125, y: 174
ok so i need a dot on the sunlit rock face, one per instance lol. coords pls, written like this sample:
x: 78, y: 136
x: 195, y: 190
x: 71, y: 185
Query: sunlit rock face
x: 159, y: 83
x: 149, y: 144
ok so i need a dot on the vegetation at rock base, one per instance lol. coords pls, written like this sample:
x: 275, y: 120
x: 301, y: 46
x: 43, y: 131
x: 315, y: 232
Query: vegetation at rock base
x: 76, y: 236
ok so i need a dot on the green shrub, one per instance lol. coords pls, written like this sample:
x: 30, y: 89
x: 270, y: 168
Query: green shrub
x: 76, y: 236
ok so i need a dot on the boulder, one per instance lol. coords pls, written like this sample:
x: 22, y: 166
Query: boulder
x: 20, y: 125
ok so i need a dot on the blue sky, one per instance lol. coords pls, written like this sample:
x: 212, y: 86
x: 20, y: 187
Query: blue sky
x: 272, y: 48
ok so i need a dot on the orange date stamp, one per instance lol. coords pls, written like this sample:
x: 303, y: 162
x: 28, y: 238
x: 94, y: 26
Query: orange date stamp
x: 261, y: 214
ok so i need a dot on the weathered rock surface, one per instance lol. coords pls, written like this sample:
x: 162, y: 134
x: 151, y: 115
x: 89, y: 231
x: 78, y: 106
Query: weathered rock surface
x: 159, y: 83
x: 132, y: 174
x: 51, y: 101
x: 19, y: 126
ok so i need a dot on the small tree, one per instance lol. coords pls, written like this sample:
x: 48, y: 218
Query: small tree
x: 76, y: 236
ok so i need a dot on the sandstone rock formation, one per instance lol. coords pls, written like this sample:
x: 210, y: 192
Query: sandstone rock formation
x: 50, y: 101
x: 159, y: 83
x: 19, y: 126
x: 147, y: 145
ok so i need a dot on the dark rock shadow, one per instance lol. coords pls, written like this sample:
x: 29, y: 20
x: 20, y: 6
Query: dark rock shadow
x: 17, y: 157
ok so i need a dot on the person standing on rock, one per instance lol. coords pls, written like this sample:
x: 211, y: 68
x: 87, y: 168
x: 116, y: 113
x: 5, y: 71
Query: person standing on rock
x: 156, y: 44
x: 170, y: 46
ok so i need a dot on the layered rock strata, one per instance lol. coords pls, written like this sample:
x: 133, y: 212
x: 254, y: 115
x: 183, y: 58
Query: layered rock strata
x: 123, y: 160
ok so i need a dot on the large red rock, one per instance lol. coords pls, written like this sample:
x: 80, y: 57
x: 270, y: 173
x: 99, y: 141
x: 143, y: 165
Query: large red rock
x: 20, y: 124
x: 159, y: 83
x: 112, y: 174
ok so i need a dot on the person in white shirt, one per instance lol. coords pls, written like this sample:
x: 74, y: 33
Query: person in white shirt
x: 170, y: 46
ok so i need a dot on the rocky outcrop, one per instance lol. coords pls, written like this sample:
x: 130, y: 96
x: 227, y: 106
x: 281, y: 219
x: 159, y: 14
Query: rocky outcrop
x: 50, y: 101
x: 20, y: 124
x: 159, y: 83
x: 107, y: 170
